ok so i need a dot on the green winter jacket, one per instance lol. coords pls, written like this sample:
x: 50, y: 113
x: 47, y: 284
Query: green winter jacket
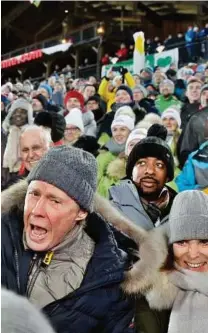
x: 163, y: 103
x: 111, y: 169
x: 148, y: 320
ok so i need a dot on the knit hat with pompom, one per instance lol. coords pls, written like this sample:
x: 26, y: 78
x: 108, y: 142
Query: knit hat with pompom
x: 153, y: 145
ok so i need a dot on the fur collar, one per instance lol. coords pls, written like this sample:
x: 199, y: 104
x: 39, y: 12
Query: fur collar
x: 117, y: 168
x: 152, y: 245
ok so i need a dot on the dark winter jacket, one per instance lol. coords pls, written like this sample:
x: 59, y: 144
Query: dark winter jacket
x: 99, y: 305
x: 196, y: 132
x: 125, y: 197
x: 149, y: 106
x: 187, y: 111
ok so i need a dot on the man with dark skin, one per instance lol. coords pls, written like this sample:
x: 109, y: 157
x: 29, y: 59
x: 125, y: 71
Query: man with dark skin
x: 143, y: 196
x: 19, y: 118
x: 20, y: 114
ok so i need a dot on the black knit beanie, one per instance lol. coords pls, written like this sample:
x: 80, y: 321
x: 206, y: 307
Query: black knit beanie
x: 153, y: 145
x: 127, y: 89
x: 54, y: 121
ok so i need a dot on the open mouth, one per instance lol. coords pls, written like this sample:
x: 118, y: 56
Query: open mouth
x: 37, y: 233
x: 196, y: 266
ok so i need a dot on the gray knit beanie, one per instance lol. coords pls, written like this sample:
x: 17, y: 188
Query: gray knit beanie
x: 188, y: 217
x: 70, y: 169
x: 204, y: 87
x: 20, y: 316
x: 141, y: 88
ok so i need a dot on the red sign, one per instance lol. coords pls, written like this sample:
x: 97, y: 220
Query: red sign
x: 21, y: 59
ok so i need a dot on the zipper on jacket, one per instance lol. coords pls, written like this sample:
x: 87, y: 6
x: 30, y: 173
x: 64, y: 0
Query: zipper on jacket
x: 35, y: 275
x: 16, y: 260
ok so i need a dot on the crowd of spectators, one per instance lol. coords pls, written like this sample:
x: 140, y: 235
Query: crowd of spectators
x: 103, y: 168
x: 193, y: 45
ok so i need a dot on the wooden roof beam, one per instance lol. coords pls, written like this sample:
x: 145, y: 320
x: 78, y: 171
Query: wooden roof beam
x: 14, y: 14
x: 151, y: 16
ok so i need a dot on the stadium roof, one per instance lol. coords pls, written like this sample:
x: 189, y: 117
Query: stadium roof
x: 23, y: 23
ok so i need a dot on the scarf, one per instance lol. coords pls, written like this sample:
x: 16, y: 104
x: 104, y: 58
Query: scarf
x: 114, y: 147
x: 154, y: 208
x: 11, y: 158
x: 190, y: 308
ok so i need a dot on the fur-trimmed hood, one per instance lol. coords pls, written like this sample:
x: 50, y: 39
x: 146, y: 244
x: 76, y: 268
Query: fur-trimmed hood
x: 138, y: 277
x: 19, y: 103
x: 146, y: 276
x: 117, y: 168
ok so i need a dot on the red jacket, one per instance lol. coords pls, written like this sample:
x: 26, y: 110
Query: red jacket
x: 105, y: 60
x: 122, y: 53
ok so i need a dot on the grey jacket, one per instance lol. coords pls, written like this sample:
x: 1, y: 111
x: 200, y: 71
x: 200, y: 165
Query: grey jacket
x: 126, y: 198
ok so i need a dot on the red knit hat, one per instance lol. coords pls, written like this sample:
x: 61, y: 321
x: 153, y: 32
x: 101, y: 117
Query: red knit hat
x: 74, y: 94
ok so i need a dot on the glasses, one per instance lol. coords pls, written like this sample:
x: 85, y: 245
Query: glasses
x: 71, y: 129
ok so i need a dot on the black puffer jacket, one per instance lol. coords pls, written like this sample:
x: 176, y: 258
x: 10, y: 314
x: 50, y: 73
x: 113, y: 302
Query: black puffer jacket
x: 196, y: 132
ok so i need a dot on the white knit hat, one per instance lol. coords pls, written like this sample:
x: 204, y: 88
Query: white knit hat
x: 153, y: 118
x: 124, y: 121
x: 138, y: 133
x: 125, y: 111
x: 75, y: 118
x: 172, y: 113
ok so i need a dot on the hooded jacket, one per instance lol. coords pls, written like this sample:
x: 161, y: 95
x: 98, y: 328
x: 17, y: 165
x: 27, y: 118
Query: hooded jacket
x: 11, y: 159
x: 162, y: 288
x: 99, y: 304
x: 195, y: 171
x: 125, y: 197
x: 196, y: 132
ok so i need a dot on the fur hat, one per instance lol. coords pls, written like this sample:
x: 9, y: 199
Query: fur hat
x: 171, y: 112
x: 124, y: 121
x: 127, y: 89
x: 188, y: 217
x: 74, y: 117
x: 153, y: 145
x: 70, y: 169
x: 74, y: 94
x: 125, y: 110
x: 56, y: 122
